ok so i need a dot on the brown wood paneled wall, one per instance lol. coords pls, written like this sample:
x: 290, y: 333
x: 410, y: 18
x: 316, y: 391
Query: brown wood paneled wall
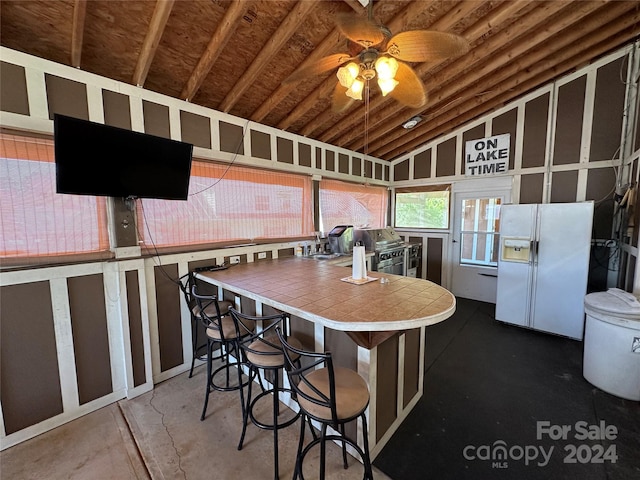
x: 507, y: 123
x: 29, y: 378
x: 135, y: 327
x: 387, y: 385
x: 534, y: 139
x: 13, y: 89
x: 608, y: 111
x: 434, y: 260
x: 169, y: 316
x: 446, y: 154
x: 411, y: 365
x: 90, y: 336
x: 66, y: 97
x: 304, y: 331
x: 422, y: 165
x: 471, y: 134
x: 117, y: 111
x: 195, y: 129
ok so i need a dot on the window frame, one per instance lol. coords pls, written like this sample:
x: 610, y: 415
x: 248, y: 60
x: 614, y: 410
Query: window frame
x: 425, y: 189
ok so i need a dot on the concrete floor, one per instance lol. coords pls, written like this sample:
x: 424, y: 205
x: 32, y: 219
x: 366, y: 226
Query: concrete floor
x: 159, y: 435
x: 484, y: 382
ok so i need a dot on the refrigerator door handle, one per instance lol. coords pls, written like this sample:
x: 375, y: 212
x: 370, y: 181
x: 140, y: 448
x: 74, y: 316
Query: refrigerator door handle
x: 535, y: 244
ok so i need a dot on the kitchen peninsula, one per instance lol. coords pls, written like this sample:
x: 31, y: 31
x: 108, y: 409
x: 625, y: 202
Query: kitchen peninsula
x: 377, y: 328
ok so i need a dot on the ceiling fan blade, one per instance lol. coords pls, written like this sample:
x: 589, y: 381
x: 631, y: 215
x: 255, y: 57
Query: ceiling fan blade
x: 425, y: 45
x: 322, y: 65
x: 340, y: 102
x: 360, y: 30
x: 410, y: 89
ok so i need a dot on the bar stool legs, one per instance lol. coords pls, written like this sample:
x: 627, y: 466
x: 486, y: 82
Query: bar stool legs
x: 227, y: 385
x: 332, y: 396
x: 263, y: 353
x: 221, y: 329
x: 322, y: 440
x: 275, y: 408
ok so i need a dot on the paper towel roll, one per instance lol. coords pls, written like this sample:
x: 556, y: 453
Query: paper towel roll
x: 359, y: 267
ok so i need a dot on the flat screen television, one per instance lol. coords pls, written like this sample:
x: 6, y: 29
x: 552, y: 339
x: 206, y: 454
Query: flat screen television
x: 96, y: 159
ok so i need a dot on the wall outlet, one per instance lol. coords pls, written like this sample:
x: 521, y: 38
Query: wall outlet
x: 262, y: 255
x: 234, y: 260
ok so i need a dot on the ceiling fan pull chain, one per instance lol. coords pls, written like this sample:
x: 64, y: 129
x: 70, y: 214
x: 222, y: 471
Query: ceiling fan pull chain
x: 366, y: 118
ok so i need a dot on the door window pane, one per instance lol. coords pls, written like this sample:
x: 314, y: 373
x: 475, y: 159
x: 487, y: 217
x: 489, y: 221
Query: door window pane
x: 479, y: 236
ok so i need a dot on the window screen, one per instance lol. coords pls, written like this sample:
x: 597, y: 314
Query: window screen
x: 343, y: 203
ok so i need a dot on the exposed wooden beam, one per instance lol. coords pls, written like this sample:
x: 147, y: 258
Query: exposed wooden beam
x: 285, y: 88
x: 77, y: 31
x: 476, y: 59
x: 461, y: 115
x: 514, y: 61
x: 151, y: 40
x: 218, y: 41
x: 348, y: 122
x: 355, y: 5
x: 276, y: 42
x: 468, y: 69
x: 311, y: 100
x: 320, y: 51
x: 557, y: 59
x: 477, y: 31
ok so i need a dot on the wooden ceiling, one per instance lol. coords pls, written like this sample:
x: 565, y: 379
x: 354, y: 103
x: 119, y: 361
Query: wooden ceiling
x: 232, y: 56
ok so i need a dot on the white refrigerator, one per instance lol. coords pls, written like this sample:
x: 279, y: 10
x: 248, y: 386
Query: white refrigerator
x: 543, y: 266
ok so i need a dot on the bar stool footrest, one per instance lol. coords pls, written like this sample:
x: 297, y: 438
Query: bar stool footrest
x: 227, y: 386
x: 267, y: 426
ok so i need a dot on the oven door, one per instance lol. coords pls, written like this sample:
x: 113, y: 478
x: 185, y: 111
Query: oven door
x: 394, y: 266
x: 412, y: 266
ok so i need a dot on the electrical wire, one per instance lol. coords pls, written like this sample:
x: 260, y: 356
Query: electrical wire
x: 229, y: 165
x: 156, y: 257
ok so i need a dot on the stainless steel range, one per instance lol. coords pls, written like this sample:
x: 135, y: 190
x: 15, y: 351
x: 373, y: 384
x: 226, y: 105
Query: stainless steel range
x: 388, y: 248
x: 413, y: 257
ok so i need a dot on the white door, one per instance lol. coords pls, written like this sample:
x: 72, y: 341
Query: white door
x: 562, y: 267
x: 475, y: 239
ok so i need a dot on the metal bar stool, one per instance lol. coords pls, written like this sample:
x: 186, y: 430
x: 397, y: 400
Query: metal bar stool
x: 332, y: 396
x: 199, y: 346
x: 263, y: 352
x: 222, y: 330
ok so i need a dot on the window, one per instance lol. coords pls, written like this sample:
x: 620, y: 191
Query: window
x: 422, y: 207
x: 479, y: 238
x: 229, y: 203
x: 343, y: 203
x: 36, y: 221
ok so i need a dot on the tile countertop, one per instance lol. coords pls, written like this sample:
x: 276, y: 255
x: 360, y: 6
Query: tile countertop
x: 313, y: 290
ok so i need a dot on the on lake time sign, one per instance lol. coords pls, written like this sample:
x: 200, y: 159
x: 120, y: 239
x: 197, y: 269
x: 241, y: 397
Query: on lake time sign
x: 487, y: 156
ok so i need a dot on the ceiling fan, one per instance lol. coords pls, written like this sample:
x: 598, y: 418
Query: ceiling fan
x: 374, y: 53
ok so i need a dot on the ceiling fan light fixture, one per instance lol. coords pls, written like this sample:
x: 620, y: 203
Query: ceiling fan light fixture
x: 386, y: 68
x: 355, y: 90
x: 348, y: 74
x: 387, y: 85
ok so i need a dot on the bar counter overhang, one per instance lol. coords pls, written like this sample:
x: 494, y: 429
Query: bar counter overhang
x: 384, y: 324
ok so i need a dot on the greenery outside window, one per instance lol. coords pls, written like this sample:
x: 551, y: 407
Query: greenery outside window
x: 422, y: 207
